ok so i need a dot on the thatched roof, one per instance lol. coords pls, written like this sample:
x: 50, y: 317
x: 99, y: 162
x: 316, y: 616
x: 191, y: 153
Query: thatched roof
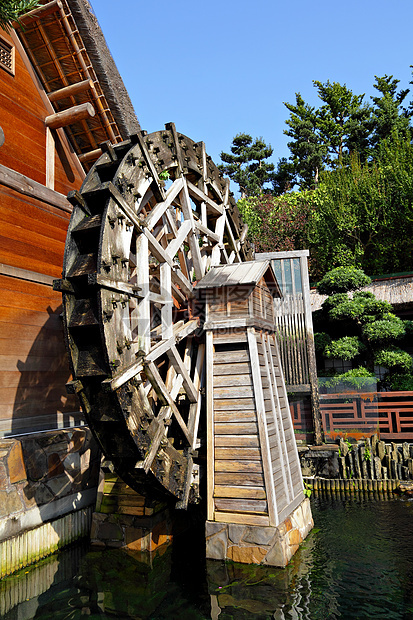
x: 66, y: 46
x: 110, y: 80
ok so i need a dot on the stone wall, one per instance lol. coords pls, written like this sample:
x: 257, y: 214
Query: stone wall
x: 253, y: 544
x: 44, y: 477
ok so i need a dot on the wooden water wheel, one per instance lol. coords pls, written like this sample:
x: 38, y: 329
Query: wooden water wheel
x: 152, y: 216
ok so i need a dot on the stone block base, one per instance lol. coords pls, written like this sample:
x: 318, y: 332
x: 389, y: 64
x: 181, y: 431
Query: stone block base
x: 253, y: 544
x: 124, y: 519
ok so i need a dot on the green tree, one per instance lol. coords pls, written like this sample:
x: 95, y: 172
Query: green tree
x: 307, y: 149
x: 390, y: 118
x: 246, y: 164
x: 323, y: 137
x: 343, y: 122
x: 364, y: 213
x: 11, y: 10
x: 355, y: 326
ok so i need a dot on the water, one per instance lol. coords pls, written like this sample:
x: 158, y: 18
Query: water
x: 357, y: 563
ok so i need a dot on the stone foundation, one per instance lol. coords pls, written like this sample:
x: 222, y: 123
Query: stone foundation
x: 124, y: 519
x: 253, y: 544
x: 48, y: 482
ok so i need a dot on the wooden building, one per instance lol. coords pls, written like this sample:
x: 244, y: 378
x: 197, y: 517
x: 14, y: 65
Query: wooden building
x: 60, y: 98
x: 62, y: 102
x: 254, y: 474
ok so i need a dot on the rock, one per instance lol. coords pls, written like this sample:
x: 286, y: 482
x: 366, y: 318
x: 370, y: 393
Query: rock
x: 259, y: 535
x: 405, y: 488
x: 246, y: 555
x: 377, y: 467
x: 4, y: 479
x: 216, y: 546
x: 343, y: 447
x: 10, y: 503
x: 55, y: 466
x: 235, y: 532
x: 294, y: 537
x: 405, y: 452
x: 15, y: 464
x: 381, y: 449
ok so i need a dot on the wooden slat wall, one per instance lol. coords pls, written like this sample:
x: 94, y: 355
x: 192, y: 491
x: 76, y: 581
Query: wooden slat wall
x: 239, y: 478
x: 285, y: 459
x: 33, y: 363
x: 292, y: 338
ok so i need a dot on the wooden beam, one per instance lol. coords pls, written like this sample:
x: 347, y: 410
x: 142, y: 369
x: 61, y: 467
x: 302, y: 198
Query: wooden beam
x: 90, y: 156
x: 69, y: 91
x: 159, y: 386
x: 42, y: 11
x: 70, y: 116
x: 29, y: 187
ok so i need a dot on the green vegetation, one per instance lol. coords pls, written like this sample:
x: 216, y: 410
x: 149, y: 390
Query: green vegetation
x: 246, y: 164
x: 11, y: 10
x: 355, y: 327
x: 351, y: 164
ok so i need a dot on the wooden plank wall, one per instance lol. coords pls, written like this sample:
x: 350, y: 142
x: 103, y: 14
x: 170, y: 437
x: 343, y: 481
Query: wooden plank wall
x: 33, y: 363
x: 238, y: 472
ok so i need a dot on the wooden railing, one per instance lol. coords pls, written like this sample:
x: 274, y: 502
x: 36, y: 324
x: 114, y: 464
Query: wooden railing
x: 360, y: 415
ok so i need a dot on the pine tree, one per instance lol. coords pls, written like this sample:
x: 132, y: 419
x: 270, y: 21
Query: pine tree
x: 307, y: 150
x: 246, y: 164
x: 390, y: 118
x: 360, y: 329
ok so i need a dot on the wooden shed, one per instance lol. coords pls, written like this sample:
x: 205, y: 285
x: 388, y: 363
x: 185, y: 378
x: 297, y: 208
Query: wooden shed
x: 254, y: 475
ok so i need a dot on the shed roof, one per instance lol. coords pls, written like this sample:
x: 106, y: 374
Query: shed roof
x: 238, y: 274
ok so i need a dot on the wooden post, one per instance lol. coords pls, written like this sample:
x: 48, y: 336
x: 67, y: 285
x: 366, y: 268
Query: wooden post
x: 70, y: 116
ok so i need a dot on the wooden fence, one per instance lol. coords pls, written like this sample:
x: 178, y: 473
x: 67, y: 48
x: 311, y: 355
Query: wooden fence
x: 360, y: 415
x: 357, y: 415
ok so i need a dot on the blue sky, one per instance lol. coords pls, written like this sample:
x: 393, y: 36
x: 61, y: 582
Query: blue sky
x: 218, y: 68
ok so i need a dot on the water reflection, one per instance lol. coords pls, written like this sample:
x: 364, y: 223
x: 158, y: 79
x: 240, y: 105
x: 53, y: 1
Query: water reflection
x: 357, y: 563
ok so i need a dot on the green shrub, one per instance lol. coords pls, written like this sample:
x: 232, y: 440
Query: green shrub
x: 394, y: 358
x: 358, y: 378
x: 400, y: 382
x: 346, y: 348
x: 384, y: 330
x: 342, y: 279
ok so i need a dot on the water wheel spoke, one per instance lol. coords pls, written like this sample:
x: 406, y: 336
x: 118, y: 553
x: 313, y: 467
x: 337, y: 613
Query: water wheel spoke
x: 159, y: 386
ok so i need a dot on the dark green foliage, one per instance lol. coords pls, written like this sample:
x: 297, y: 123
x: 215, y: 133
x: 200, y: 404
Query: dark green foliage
x: 358, y: 378
x: 400, y: 382
x: 389, y: 117
x: 394, y: 359
x: 342, y: 279
x: 358, y: 327
x: 384, y: 330
x: 11, y: 10
x: 321, y: 341
x: 346, y: 348
x: 246, y: 164
x: 307, y: 151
